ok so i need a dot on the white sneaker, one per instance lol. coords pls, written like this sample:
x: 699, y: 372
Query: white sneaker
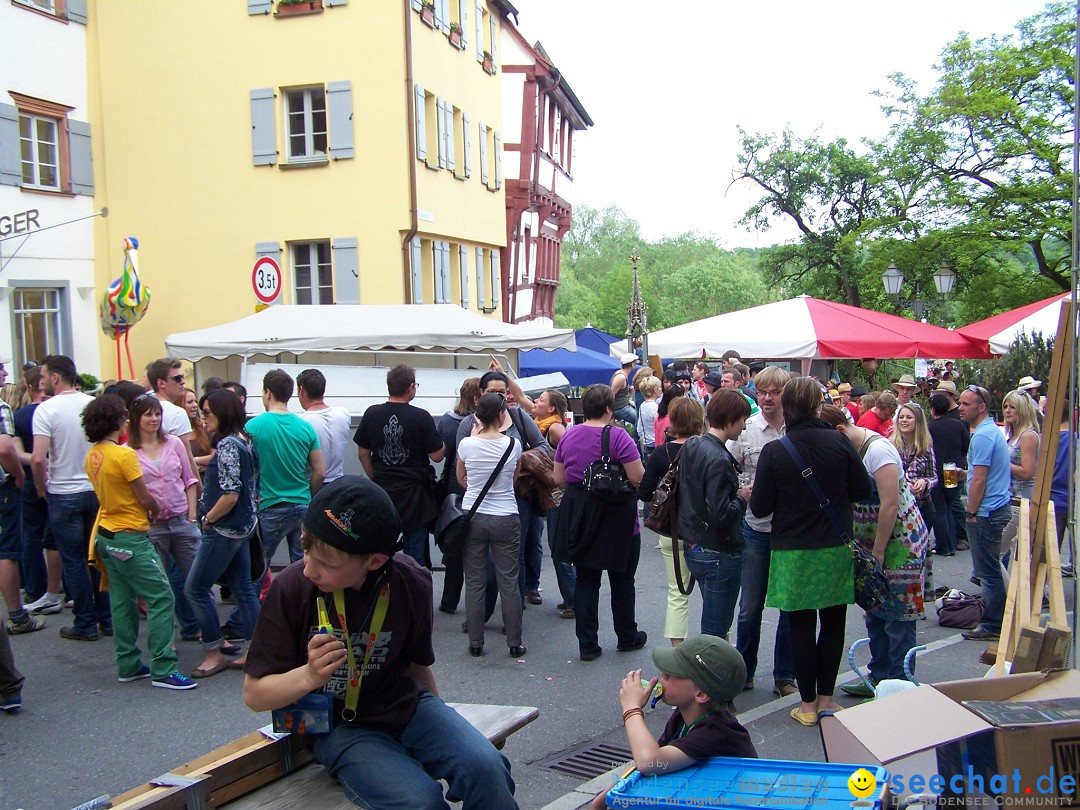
x: 49, y: 603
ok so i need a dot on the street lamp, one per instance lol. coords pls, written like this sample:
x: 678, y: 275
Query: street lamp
x: 637, y: 319
x: 944, y: 281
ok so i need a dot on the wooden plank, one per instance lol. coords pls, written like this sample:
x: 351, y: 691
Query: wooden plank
x: 496, y: 722
x: 167, y: 798
x: 1023, y: 568
x: 1028, y: 648
x: 1055, y: 643
x: 1053, y: 558
x: 311, y: 788
x: 1008, y: 635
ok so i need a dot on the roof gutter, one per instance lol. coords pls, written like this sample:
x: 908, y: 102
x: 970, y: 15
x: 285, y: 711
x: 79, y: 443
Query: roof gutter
x: 410, y: 145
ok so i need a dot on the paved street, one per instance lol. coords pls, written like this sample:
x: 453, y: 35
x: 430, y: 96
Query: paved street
x: 82, y: 734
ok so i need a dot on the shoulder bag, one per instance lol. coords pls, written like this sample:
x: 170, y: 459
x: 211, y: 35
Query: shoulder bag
x: 452, y: 525
x: 605, y: 479
x: 871, y: 584
x: 663, y: 517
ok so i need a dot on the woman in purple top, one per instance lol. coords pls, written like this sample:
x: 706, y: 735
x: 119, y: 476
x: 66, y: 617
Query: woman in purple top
x: 599, y: 535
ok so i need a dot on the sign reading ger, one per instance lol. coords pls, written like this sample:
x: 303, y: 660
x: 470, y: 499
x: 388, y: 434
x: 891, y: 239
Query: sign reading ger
x: 266, y: 279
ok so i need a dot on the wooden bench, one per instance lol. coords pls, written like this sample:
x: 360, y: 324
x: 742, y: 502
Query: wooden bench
x: 241, y: 772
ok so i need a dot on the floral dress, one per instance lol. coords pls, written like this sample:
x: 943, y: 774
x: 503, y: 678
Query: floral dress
x: 905, y: 554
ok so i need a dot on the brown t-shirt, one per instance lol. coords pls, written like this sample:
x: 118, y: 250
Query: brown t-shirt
x: 289, y: 618
x: 718, y: 735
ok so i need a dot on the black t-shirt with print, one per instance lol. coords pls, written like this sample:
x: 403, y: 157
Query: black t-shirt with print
x: 289, y: 618
x: 397, y: 435
x: 718, y: 735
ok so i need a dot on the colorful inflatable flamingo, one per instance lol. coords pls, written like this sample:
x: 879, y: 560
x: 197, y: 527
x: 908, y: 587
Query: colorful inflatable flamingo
x: 125, y: 303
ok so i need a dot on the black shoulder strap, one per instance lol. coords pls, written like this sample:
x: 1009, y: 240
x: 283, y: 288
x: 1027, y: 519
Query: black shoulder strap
x: 823, y: 501
x: 494, y: 475
x: 518, y: 420
x: 605, y: 444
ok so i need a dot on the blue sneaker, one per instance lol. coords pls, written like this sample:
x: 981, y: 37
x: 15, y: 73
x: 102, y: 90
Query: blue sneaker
x: 11, y: 703
x: 175, y: 681
x: 144, y: 672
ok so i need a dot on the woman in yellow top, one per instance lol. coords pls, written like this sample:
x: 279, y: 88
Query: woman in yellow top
x: 124, y: 548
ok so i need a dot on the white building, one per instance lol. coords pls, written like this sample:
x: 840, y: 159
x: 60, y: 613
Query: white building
x: 47, y: 301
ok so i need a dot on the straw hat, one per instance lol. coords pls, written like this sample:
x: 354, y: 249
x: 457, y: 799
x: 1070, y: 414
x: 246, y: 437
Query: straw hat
x: 1028, y: 382
x: 946, y: 386
x: 844, y: 388
x: 905, y: 381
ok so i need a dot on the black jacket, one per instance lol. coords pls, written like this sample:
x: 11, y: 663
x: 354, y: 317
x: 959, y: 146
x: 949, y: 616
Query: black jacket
x: 710, y: 513
x: 798, y: 522
x: 951, y: 438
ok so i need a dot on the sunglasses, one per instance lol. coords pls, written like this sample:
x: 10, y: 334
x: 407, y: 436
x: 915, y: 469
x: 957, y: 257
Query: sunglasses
x: 981, y: 393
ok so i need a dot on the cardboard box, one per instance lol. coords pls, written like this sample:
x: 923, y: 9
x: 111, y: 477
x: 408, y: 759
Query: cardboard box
x: 928, y: 731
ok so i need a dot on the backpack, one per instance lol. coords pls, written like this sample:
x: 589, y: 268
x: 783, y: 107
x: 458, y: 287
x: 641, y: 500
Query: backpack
x: 662, y: 514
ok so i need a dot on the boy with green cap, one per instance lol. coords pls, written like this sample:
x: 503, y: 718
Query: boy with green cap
x: 700, y: 678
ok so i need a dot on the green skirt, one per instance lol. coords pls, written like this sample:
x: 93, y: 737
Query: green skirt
x: 811, y: 579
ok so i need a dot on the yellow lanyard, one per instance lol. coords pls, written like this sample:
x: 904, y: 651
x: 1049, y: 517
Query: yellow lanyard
x: 356, y: 674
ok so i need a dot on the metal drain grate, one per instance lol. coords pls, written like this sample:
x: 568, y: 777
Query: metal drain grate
x: 590, y: 761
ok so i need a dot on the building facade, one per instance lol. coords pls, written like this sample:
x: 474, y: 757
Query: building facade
x: 47, y: 295
x: 356, y: 146
x: 539, y: 176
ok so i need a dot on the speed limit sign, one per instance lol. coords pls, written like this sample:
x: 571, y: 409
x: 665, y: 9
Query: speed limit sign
x: 266, y: 279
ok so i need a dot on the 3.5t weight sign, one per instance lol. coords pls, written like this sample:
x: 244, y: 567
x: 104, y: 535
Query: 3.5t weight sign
x: 266, y: 280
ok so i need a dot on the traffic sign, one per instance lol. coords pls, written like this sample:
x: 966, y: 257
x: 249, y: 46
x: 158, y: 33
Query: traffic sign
x: 266, y: 279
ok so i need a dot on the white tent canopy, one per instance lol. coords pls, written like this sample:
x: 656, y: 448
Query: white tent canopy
x: 370, y: 327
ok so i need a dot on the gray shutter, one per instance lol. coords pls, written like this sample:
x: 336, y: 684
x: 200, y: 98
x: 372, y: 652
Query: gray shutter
x: 479, y: 278
x: 463, y: 16
x: 258, y: 6
x: 339, y: 103
x: 493, y: 21
x: 417, y: 272
x: 483, y: 154
x: 417, y: 5
x: 346, y: 271
x: 273, y: 250
x: 82, y: 168
x: 479, y: 31
x: 76, y: 11
x: 446, y: 272
x: 451, y: 158
x: 332, y: 3
x: 440, y: 130
x: 466, y: 136
x: 10, y: 154
x: 421, y: 123
x: 442, y: 12
x: 463, y: 253
x: 495, y: 285
x: 498, y: 161
x: 263, y: 135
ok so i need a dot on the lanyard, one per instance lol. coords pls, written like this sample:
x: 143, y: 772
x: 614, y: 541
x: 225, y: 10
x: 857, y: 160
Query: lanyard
x: 686, y: 728
x: 356, y: 675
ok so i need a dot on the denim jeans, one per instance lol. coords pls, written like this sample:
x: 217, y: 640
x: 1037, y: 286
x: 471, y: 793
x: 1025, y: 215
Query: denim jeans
x: 36, y: 536
x: 986, y: 559
x: 415, y: 544
x: 379, y: 770
x: 755, y: 583
x: 176, y: 540
x: 719, y: 575
x: 10, y: 521
x: 564, y: 571
x: 282, y: 522
x: 229, y: 559
x: 531, y: 553
x: 890, y: 642
x: 72, y: 519
x: 944, y: 531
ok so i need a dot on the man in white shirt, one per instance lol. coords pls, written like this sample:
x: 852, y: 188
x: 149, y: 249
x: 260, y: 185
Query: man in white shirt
x: 59, y: 466
x: 332, y: 423
x: 167, y: 384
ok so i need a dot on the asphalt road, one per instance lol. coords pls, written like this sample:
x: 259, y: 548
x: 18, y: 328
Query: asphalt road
x: 82, y: 734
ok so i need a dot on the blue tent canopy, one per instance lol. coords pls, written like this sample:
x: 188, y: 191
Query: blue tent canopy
x: 583, y: 367
x: 595, y: 340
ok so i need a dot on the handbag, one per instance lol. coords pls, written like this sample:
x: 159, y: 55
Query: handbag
x: 605, y: 479
x: 960, y: 610
x: 452, y: 524
x: 871, y: 584
x: 662, y: 518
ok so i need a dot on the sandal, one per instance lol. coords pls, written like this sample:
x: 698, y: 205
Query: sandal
x: 808, y: 719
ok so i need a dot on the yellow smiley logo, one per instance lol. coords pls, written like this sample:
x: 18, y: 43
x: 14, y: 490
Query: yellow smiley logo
x: 862, y: 783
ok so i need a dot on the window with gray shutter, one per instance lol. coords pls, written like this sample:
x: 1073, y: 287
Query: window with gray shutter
x: 441, y: 277
x: 493, y: 21
x: 446, y: 272
x: 421, y: 123
x: 263, y: 135
x: 76, y: 11
x: 480, y: 278
x: 442, y: 15
x: 466, y: 143
x: 417, y: 271
x: 498, y: 161
x: 451, y: 160
x: 10, y: 154
x: 339, y: 102
x: 258, y: 6
x: 479, y: 31
x: 273, y: 250
x: 82, y: 168
x: 483, y: 154
x: 463, y: 255
x: 463, y: 10
x: 440, y: 130
x: 346, y: 271
x: 494, y: 291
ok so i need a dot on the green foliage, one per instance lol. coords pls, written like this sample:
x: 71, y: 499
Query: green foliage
x: 1028, y: 355
x: 87, y: 382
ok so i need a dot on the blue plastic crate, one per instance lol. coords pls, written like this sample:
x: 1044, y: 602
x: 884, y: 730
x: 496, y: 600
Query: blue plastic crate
x: 749, y: 784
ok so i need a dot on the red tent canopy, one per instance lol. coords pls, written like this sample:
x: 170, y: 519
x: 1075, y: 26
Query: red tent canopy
x: 999, y: 331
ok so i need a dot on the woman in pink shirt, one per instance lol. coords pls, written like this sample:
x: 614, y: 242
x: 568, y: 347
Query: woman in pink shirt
x: 167, y: 471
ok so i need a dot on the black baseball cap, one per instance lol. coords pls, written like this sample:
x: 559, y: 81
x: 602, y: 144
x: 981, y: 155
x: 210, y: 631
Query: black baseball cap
x: 355, y: 515
x: 715, y: 667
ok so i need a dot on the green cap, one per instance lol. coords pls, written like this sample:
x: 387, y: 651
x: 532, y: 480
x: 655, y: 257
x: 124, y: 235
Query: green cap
x: 715, y: 667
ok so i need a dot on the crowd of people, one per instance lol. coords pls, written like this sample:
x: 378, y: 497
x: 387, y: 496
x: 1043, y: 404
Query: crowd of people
x: 153, y: 498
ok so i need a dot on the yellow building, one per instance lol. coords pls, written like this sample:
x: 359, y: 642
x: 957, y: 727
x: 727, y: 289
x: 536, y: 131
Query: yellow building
x: 354, y: 143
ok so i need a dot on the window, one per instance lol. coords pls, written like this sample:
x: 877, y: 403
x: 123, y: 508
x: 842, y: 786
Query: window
x: 39, y: 144
x: 48, y: 6
x: 313, y: 275
x: 433, y: 132
x: 36, y: 315
x: 41, y: 149
x: 305, y: 124
x: 73, y: 10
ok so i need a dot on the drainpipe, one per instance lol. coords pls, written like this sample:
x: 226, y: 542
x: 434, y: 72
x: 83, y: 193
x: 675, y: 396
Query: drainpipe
x: 410, y: 145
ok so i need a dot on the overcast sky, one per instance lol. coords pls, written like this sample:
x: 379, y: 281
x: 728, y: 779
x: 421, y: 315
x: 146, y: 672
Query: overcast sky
x: 668, y: 82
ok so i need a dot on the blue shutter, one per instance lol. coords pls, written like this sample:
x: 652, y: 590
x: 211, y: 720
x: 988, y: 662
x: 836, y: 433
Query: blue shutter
x: 463, y: 253
x: 440, y: 130
x: 263, y: 135
x: 273, y: 250
x: 421, y: 123
x: 483, y: 154
x: 495, y: 285
x: 258, y: 6
x: 466, y: 136
x: 76, y: 11
x: 339, y: 103
x: 479, y: 31
x: 479, y: 278
x: 82, y: 168
x: 498, y: 161
x: 346, y: 271
x: 10, y: 154
x: 463, y: 12
x: 417, y: 272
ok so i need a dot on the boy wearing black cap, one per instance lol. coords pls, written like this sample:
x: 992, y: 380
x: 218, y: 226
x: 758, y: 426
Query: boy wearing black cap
x: 388, y: 748
x: 700, y: 677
